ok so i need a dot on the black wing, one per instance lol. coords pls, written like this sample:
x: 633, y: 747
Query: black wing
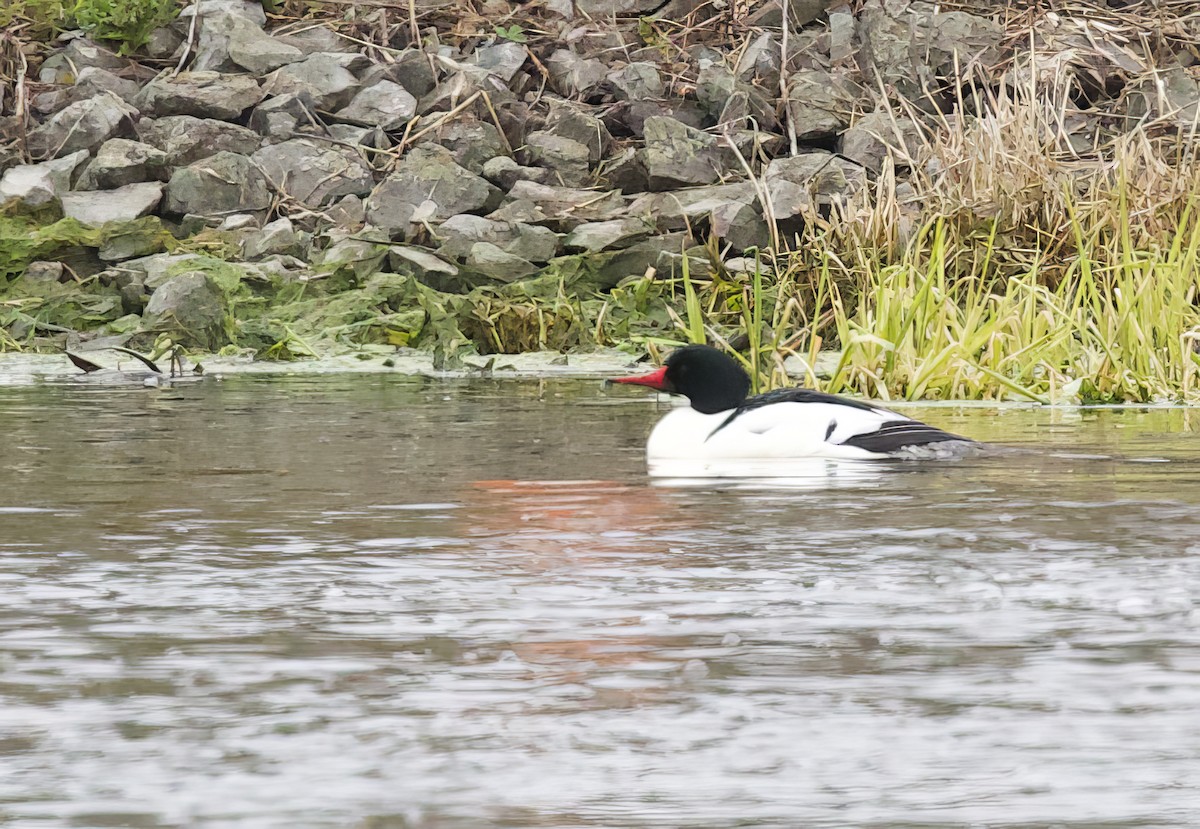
x: 895, y: 435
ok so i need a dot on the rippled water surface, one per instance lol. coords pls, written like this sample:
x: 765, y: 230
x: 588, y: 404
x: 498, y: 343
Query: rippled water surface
x: 384, y: 602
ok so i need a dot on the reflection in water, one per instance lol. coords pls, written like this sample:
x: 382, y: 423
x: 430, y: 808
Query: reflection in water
x: 384, y: 602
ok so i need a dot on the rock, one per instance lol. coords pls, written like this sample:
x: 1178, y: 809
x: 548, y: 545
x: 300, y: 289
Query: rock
x: 277, y: 237
x: 246, y: 9
x: 677, y: 155
x: 797, y: 185
x: 427, y: 267
x: 313, y: 39
x: 350, y: 211
x: 626, y: 172
x: 719, y: 92
x: 760, y: 62
x: 162, y: 43
x: 82, y: 126
x: 412, y: 69
x: 629, y: 117
x: 636, y: 82
x: 120, y: 161
x: 256, y: 51
x: 662, y: 253
x: 154, y: 271
x: 281, y: 117
x: 38, y: 185
x: 322, y: 76
x: 191, y: 308
x: 459, y: 234
x: 127, y: 240
x: 568, y: 120
x: 495, y: 263
x: 313, y: 172
x: 187, y: 139
x: 504, y: 172
x: 562, y: 207
x: 504, y: 60
x: 91, y: 82
x: 819, y: 104
x: 79, y: 54
x: 223, y: 183
x: 200, y: 94
x: 616, y: 233
x: 568, y: 159
x: 49, y: 273
x: 909, y: 45
x: 472, y: 142
x: 878, y: 135
x: 429, y: 185
x: 573, y: 76
x: 384, y: 104
x: 1172, y: 94
x: 95, y: 207
x: 739, y: 225
x: 680, y: 209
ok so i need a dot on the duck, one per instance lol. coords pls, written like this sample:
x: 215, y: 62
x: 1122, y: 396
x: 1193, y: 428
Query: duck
x: 723, y: 425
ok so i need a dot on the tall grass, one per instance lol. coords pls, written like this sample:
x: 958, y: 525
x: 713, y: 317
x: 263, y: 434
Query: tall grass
x: 1010, y: 262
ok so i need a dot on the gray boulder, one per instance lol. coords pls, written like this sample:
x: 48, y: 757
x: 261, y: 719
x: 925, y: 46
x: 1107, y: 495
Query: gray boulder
x: 560, y: 207
x: 413, y: 69
x: 191, y: 308
x: 908, y: 44
x: 90, y: 83
x: 504, y: 60
x: 187, y: 139
x: 282, y: 116
x: 279, y: 237
x: 495, y: 263
x: 504, y: 172
x: 323, y: 76
x: 82, y: 126
x: 472, y: 142
x: 459, y: 234
x: 820, y: 104
x: 636, y: 82
x: 38, y: 185
x: 201, y: 94
x: 96, y: 207
x: 229, y: 39
x: 677, y: 155
x: 616, y: 233
x: 120, y: 161
x: 570, y: 120
x: 1173, y: 94
x: 429, y: 186
x: 383, y: 104
x: 797, y: 185
x: 80, y: 54
x: 256, y: 51
x: 739, y: 225
x: 680, y: 209
x: 567, y: 158
x: 878, y: 135
x: 313, y: 172
x: 574, y: 76
x: 224, y: 183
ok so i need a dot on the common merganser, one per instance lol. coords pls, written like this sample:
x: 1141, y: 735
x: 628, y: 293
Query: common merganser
x: 724, y: 426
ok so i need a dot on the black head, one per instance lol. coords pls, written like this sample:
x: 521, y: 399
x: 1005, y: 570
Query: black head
x: 710, y: 379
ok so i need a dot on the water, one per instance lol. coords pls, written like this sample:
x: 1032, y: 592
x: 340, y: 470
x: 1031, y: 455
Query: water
x: 382, y: 602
